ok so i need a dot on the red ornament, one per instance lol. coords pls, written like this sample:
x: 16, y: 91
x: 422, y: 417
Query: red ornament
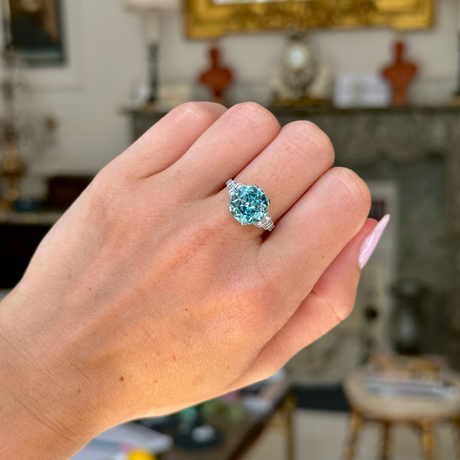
x: 400, y: 75
x: 217, y: 78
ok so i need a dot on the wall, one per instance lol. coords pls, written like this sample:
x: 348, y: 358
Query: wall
x: 107, y: 57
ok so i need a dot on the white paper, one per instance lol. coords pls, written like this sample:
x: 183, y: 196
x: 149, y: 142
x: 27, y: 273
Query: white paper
x: 361, y: 90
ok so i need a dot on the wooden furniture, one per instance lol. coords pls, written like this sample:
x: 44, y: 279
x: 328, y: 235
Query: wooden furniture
x: 20, y: 234
x: 241, y: 436
x: 421, y: 413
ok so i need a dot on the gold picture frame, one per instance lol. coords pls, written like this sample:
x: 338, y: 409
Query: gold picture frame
x: 206, y: 19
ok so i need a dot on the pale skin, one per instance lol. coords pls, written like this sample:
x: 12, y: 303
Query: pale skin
x: 148, y: 296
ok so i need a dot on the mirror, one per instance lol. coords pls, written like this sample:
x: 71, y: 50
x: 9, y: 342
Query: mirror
x: 212, y: 18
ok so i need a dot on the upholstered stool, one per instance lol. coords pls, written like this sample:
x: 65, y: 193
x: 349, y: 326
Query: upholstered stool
x: 422, y: 413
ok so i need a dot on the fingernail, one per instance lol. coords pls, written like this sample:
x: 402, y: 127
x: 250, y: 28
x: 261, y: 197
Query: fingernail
x: 370, y: 243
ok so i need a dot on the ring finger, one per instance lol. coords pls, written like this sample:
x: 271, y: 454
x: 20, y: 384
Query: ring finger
x: 289, y: 165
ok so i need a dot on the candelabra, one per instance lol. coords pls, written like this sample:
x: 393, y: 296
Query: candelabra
x: 15, y: 130
x: 12, y: 168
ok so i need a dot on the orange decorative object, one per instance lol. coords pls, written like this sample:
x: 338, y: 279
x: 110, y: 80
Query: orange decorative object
x: 400, y: 75
x: 217, y: 78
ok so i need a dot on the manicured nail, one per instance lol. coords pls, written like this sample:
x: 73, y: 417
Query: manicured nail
x: 370, y: 243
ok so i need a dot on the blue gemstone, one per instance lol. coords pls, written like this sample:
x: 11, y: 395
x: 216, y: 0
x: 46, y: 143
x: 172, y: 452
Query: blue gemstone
x: 249, y: 204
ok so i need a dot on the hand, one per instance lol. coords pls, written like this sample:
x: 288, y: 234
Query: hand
x: 148, y: 296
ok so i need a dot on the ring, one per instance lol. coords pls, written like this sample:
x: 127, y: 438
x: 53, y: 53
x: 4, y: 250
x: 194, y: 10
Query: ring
x: 249, y: 205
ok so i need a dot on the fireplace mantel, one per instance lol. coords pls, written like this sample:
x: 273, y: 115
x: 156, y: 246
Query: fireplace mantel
x: 402, y: 135
x: 364, y: 136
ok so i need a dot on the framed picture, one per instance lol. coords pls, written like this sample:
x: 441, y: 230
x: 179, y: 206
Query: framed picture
x: 212, y: 18
x: 37, y: 31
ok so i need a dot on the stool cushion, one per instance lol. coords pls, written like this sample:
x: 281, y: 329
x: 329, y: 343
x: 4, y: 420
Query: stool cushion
x: 400, y: 407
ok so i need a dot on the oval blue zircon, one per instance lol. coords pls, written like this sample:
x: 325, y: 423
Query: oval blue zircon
x: 249, y: 204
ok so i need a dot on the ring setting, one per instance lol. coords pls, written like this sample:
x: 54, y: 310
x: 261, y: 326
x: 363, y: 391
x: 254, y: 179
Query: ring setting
x: 249, y: 205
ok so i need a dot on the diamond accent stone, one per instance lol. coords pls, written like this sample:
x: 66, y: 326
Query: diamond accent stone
x: 233, y: 187
x: 248, y: 204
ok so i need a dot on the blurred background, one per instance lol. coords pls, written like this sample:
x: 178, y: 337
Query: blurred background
x: 81, y: 80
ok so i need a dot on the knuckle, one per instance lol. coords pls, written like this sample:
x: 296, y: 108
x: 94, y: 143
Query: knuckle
x: 251, y: 106
x: 271, y: 366
x: 341, y: 309
x: 200, y: 112
x: 304, y: 136
x: 353, y: 190
x: 256, y: 114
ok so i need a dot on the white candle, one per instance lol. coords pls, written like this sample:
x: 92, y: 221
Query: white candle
x: 153, y: 27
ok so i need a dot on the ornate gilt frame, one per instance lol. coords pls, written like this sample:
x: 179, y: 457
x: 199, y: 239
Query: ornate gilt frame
x: 205, y: 19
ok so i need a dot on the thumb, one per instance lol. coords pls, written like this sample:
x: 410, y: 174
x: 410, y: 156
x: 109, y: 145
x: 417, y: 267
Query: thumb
x: 330, y: 302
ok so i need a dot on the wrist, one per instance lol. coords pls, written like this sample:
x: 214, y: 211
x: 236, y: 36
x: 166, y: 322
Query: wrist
x: 40, y: 411
x: 23, y: 434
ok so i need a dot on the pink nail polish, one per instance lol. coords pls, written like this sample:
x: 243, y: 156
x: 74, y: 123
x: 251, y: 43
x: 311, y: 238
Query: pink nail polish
x: 370, y: 243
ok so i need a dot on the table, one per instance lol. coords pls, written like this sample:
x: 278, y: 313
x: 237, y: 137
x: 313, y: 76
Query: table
x: 421, y: 413
x: 240, y: 437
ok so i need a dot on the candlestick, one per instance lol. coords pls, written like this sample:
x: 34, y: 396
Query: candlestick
x: 457, y: 92
x: 6, y: 16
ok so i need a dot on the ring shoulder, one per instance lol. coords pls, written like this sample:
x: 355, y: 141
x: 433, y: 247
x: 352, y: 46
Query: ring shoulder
x: 233, y: 186
x: 266, y: 223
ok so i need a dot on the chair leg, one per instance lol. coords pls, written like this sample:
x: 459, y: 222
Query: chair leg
x: 427, y: 439
x: 457, y: 435
x: 385, y: 452
x: 289, y: 410
x: 356, y: 423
